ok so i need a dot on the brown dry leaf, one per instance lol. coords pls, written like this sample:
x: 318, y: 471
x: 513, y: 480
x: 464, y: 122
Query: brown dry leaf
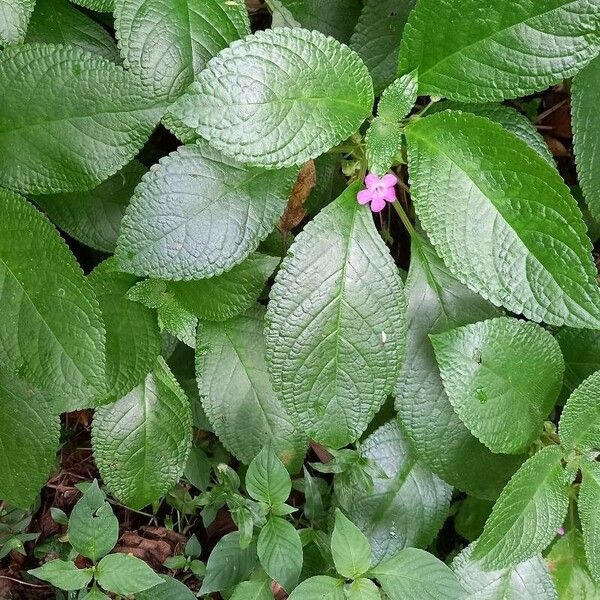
x: 254, y: 5
x: 151, y: 544
x: 556, y: 146
x: 294, y: 211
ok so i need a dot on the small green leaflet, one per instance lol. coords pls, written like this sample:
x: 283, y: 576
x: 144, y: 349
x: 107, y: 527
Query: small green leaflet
x: 125, y: 574
x: 199, y: 214
x: 587, y: 506
x: 96, y: 594
x: 14, y: 17
x: 63, y: 574
x: 29, y: 435
x: 141, y: 443
x: 529, y: 264
x: 86, y: 119
x: 236, y: 392
x: 170, y: 589
x: 349, y: 547
x: 528, y: 512
x: 252, y: 590
x: 149, y: 30
x: 41, y: 288
x: 497, y: 49
x: 320, y: 587
x: 336, y: 327
x: 311, y: 93
x: 267, y: 480
x: 502, y: 377
x: 362, y: 589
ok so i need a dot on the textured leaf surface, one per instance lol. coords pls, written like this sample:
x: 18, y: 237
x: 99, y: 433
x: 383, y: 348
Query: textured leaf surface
x: 579, y: 425
x: 474, y: 182
x: 502, y: 377
x: 438, y: 302
x: 97, y: 5
x: 86, y: 119
x: 336, y: 297
x: 377, y: 38
x: 125, y: 574
x: 279, y: 97
x: 94, y: 217
x: 527, y: 513
x: 166, y: 43
x: 132, y: 337
x: 349, y: 548
x: 59, y: 22
x: 384, y: 142
x: 529, y: 580
x: 587, y: 505
x: 237, y: 394
x: 497, y: 49
x: 320, y: 587
x: 141, y: 442
x: 14, y: 18
x: 29, y: 432
x: 42, y: 288
x: 199, y: 214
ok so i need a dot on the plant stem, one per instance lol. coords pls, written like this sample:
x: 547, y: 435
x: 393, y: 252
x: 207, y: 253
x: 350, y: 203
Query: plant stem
x: 404, y: 218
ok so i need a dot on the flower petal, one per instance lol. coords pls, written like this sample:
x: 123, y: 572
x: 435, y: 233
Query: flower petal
x: 378, y: 204
x: 371, y: 180
x: 388, y: 194
x: 364, y: 196
x: 389, y: 180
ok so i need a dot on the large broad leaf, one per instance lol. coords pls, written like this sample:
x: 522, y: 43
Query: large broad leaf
x: 199, y: 214
x: 487, y: 212
x: 336, y: 324
x: 526, y: 515
x: 236, y: 391
x: 406, y: 507
x: 166, y: 43
x: 502, y: 377
x: 586, y: 127
x: 14, y: 17
x: 529, y: 580
x: 132, y: 337
x: 125, y: 574
x: 377, y: 38
x: 50, y: 327
x: 498, y: 49
x: 59, y: 22
x: 63, y: 574
x: 587, y: 505
x: 29, y: 432
x: 85, y: 119
x: 141, y: 443
x: 438, y: 302
x: 94, y: 217
x: 279, y: 97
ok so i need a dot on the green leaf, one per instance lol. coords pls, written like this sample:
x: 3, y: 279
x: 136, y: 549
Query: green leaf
x: 97, y: 5
x: 383, y: 142
x: 59, y: 22
x: 280, y: 552
x: 362, y: 589
x: 377, y: 38
x: 502, y: 377
x: 198, y: 469
x: 94, y: 217
x: 169, y: 589
x: 320, y: 587
x: 96, y: 594
x: 14, y: 21
x: 132, y: 337
x: 228, y: 564
x: 125, y: 574
x: 579, y: 426
x: 526, y: 515
x: 586, y: 128
x: 398, y: 98
x: 86, y: 118
x: 93, y: 527
x: 301, y: 94
x: 141, y: 442
x: 529, y: 580
x: 199, y: 214
x: 587, y: 505
x: 529, y: 264
x: 227, y: 295
x: 29, y: 435
x: 63, y: 574
x: 406, y: 507
x: 253, y: 590
x: 149, y: 30
x: 236, y: 391
x: 267, y: 479
x: 497, y: 50
x: 414, y: 573
x: 336, y: 327
x: 438, y: 302
x: 471, y: 516
x: 41, y: 288
x: 349, y: 547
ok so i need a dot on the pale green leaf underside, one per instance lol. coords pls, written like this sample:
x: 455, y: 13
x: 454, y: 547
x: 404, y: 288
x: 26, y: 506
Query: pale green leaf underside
x: 42, y: 288
x: 97, y: 5
x: 141, y: 442
x: 279, y: 97
x: 587, y: 507
x: 502, y: 219
x: 86, y: 118
x: 14, y: 18
x: 236, y: 392
x: 336, y: 328
x: 199, y: 214
x: 167, y: 43
x: 498, y: 49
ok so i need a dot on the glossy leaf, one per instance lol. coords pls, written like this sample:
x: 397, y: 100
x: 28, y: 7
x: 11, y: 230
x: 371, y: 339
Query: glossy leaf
x: 349, y: 547
x: 587, y: 505
x: 125, y: 574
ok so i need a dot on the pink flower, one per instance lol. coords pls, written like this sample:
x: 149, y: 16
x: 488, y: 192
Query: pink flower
x: 379, y: 191
x: 560, y: 531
